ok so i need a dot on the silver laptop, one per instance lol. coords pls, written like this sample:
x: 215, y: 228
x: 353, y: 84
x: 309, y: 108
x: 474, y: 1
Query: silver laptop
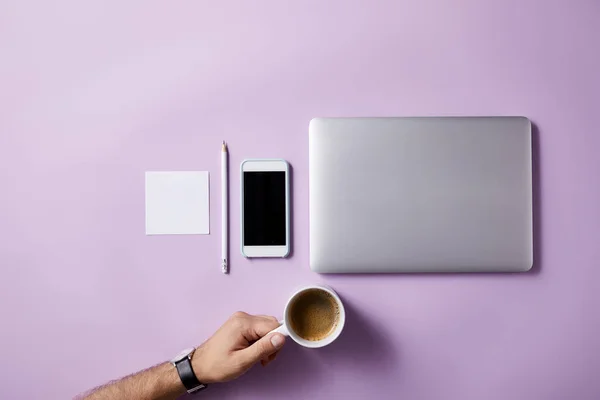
x: 447, y: 194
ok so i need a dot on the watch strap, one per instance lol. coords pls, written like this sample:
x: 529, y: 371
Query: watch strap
x: 188, y: 377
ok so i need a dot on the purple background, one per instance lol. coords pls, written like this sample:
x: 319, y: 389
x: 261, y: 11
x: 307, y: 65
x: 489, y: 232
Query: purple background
x: 95, y: 93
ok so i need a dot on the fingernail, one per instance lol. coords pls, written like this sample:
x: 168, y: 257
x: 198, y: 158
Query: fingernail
x: 277, y: 341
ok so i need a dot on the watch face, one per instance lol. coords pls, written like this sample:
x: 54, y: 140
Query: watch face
x: 183, y: 355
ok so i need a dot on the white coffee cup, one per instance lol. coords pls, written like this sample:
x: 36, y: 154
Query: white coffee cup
x: 285, y: 328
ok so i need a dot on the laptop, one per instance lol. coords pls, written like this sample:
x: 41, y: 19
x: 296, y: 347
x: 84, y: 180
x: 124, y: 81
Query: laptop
x: 428, y: 194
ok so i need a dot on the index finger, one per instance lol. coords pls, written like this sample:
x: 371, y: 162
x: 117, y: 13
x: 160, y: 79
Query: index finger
x: 260, y: 325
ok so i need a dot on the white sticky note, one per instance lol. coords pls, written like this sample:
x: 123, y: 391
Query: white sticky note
x: 177, y: 203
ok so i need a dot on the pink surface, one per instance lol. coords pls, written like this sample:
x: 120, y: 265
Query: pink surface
x: 95, y: 93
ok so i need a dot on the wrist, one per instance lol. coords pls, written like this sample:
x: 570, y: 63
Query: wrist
x: 199, y: 366
x: 165, y: 382
x: 184, y: 365
x: 170, y: 378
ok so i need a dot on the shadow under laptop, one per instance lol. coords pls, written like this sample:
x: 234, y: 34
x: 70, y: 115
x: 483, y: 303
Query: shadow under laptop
x: 537, y: 199
x: 360, y: 349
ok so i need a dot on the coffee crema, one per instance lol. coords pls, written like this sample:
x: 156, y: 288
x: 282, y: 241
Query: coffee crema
x: 314, y: 314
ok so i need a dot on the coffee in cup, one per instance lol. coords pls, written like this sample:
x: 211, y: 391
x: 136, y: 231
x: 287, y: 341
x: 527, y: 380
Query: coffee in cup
x: 314, y: 314
x: 313, y: 317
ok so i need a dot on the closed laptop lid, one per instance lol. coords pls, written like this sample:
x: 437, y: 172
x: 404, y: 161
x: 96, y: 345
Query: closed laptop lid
x: 431, y: 194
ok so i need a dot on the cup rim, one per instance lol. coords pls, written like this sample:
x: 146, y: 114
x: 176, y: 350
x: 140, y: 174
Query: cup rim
x: 329, y: 338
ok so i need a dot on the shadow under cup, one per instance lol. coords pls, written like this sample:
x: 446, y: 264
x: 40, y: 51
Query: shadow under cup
x: 314, y: 316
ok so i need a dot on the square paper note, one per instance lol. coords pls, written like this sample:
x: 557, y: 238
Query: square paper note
x: 177, y: 203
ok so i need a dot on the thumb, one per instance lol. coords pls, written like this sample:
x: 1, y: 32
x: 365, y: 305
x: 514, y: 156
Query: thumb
x: 262, y: 348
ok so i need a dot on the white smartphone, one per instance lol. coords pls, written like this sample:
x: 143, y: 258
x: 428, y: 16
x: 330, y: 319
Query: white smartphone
x: 265, y: 208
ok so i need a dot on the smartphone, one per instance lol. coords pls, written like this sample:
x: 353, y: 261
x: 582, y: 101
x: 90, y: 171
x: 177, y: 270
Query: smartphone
x: 265, y: 208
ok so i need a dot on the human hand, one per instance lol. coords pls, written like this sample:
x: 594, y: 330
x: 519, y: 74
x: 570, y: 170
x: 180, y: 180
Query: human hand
x: 240, y: 343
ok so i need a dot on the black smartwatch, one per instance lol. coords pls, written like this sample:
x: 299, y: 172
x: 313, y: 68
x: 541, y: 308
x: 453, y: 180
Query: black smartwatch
x: 183, y: 363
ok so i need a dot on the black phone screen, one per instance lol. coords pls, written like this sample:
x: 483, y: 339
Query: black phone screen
x: 264, y: 208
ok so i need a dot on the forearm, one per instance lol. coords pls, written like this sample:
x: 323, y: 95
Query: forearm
x: 161, y: 382
x: 240, y: 343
